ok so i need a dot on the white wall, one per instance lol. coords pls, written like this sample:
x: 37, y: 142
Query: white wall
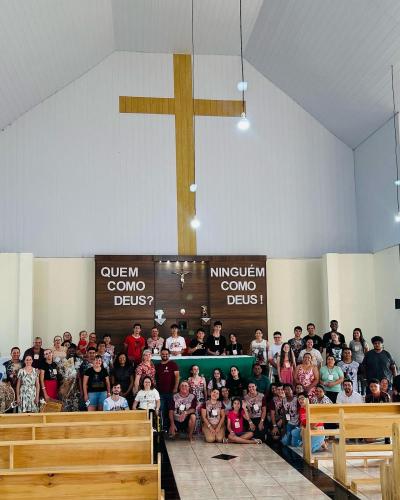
x: 64, y: 297
x: 16, y: 278
x: 294, y: 295
x: 387, y: 282
x: 375, y: 171
x: 78, y: 178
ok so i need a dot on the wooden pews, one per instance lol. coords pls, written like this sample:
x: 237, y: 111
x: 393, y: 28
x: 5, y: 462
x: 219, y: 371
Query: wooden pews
x: 330, y: 414
x: 390, y: 473
x: 96, y: 455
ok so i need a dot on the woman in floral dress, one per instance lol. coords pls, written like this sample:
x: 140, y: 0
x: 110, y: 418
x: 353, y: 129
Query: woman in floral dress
x: 28, y: 388
x: 69, y: 387
x: 197, y: 387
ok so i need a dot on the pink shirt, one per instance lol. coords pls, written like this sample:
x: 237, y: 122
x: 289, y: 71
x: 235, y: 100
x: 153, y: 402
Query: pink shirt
x: 236, y: 421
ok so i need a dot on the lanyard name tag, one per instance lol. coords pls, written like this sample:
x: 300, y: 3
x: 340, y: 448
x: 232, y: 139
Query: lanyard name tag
x: 217, y: 342
x: 155, y: 350
x: 256, y: 407
x: 234, y: 352
x: 288, y: 416
x: 182, y: 407
x: 36, y: 356
x: 356, y: 348
x: 54, y: 371
x: 237, y: 424
x: 255, y: 351
x: 330, y: 376
x: 214, y: 412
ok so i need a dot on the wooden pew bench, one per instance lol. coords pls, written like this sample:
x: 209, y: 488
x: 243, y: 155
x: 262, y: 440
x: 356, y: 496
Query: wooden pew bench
x: 75, y: 430
x: 119, y: 482
x: 361, y: 427
x: 79, y: 416
x: 316, y: 413
x: 75, y: 452
x: 390, y: 473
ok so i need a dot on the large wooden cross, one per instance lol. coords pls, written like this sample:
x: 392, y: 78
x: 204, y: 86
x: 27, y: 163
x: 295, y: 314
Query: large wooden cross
x: 182, y: 106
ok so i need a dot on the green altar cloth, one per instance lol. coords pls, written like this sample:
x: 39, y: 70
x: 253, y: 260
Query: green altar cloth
x: 208, y: 363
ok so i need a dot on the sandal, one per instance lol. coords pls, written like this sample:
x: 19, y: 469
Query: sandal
x: 225, y: 441
x: 257, y: 441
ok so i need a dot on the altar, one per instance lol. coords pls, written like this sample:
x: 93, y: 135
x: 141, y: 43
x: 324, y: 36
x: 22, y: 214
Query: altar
x: 208, y: 363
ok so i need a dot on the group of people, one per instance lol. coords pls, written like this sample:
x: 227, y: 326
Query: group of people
x: 90, y: 374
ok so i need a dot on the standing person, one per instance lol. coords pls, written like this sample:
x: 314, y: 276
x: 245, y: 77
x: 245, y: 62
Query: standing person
x: 197, y: 346
x: 307, y: 375
x: 115, y: 402
x: 317, y: 340
x: 334, y: 329
x: 96, y: 385
x: 234, y: 348
x: 262, y: 381
x: 274, y: 351
x: 92, y: 340
x: 297, y: 343
x: 134, y: 344
x: 122, y: 374
x: 334, y: 347
x: 12, y: 367
x: 182, y: 411
x: 348, y: 366
x: 331, y: 378
x: 155, y: 342
x: 87, y: 363
x: 49, y: 376
x: 316, y: 357
x: 256, y: 410
x: 290, y: 407
x: 175, y: 343
x: 83, y: 343
x: 286, y: 364
x: 235, y: 383
x: 105, y: 356
x: 109, y: 347
x: 235, y: 421
x: 167, y: 377
x: 348, y: 395
x: 216, y: 342
x: 359, y: 348
x: 59, y: 351
x: 28, y: 387
x: 217, y: 381
x: 36, y: 351
x: 379, y: 363
x: 69, y: 390
x: 213, y: 417
x: 259, y: 349
x: 145, y: 369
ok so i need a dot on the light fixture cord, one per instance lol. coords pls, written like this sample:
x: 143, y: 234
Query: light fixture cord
x: 193, y: 114
x: 241, y: 52
x: 395, y: 143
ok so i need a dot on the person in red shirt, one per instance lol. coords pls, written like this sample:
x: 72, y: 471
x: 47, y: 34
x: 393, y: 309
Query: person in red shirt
x: 236, y: 432
x: 134, y: 344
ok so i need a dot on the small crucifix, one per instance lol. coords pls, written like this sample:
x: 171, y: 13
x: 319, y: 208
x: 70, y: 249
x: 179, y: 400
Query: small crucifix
x: 181, y: 275
x: 183, y: 106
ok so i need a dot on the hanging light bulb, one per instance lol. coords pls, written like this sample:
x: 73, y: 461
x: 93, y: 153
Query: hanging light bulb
x: 242, y: 86
x: 195, y: 223
x: 243, y: 123
x: 193, y: 187
x: 397, y: 217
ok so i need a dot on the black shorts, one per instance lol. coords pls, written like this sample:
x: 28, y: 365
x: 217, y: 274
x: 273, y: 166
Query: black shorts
x: 182, y: 426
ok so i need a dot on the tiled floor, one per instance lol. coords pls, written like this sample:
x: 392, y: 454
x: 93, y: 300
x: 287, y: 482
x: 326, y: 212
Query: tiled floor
x: 356, y: 470
x: 256, y: 472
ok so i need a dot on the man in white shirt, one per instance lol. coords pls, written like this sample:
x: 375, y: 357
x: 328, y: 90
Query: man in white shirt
x: 115, y: 402
x: 175, y: 343
x: 316, y: 357
x: 274, y: 351
x: 348, y: 396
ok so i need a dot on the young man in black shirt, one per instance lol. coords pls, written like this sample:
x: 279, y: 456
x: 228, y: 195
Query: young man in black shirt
x: 216, y: 343
x: 317, y: 340
x: 197, y: 346
x: 334, y: 328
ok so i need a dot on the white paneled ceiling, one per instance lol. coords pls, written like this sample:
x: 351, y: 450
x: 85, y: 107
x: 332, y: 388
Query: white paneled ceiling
x: 331, y: 56
x: 46, y: 44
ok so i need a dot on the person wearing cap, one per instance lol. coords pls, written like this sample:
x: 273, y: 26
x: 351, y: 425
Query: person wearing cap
x: 378, y: 362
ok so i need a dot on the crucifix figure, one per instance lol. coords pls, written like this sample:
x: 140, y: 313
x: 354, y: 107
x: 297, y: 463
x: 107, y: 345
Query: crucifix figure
x: 181, y: 275
x: 183, y: 106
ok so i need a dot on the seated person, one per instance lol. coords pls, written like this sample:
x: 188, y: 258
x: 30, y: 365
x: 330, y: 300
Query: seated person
x: 115, y: 402
x: 233, y: 348
x: 235, y: 383
x: 175, y: 343
x: 148, y: 398
x: 291, y: 408
x: 235, y: 421
x: 320, y: 397
x: 277, y: 413
x: 226, y: 399
x: 213, y: 417
x: 262, y: 381
x: 317, y: 442
x: 376, y: 394
x: 256, y: 409
x: 217, y: 381
x: 197, y: 346
x: 348, y: 395
x: 182, y: 411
